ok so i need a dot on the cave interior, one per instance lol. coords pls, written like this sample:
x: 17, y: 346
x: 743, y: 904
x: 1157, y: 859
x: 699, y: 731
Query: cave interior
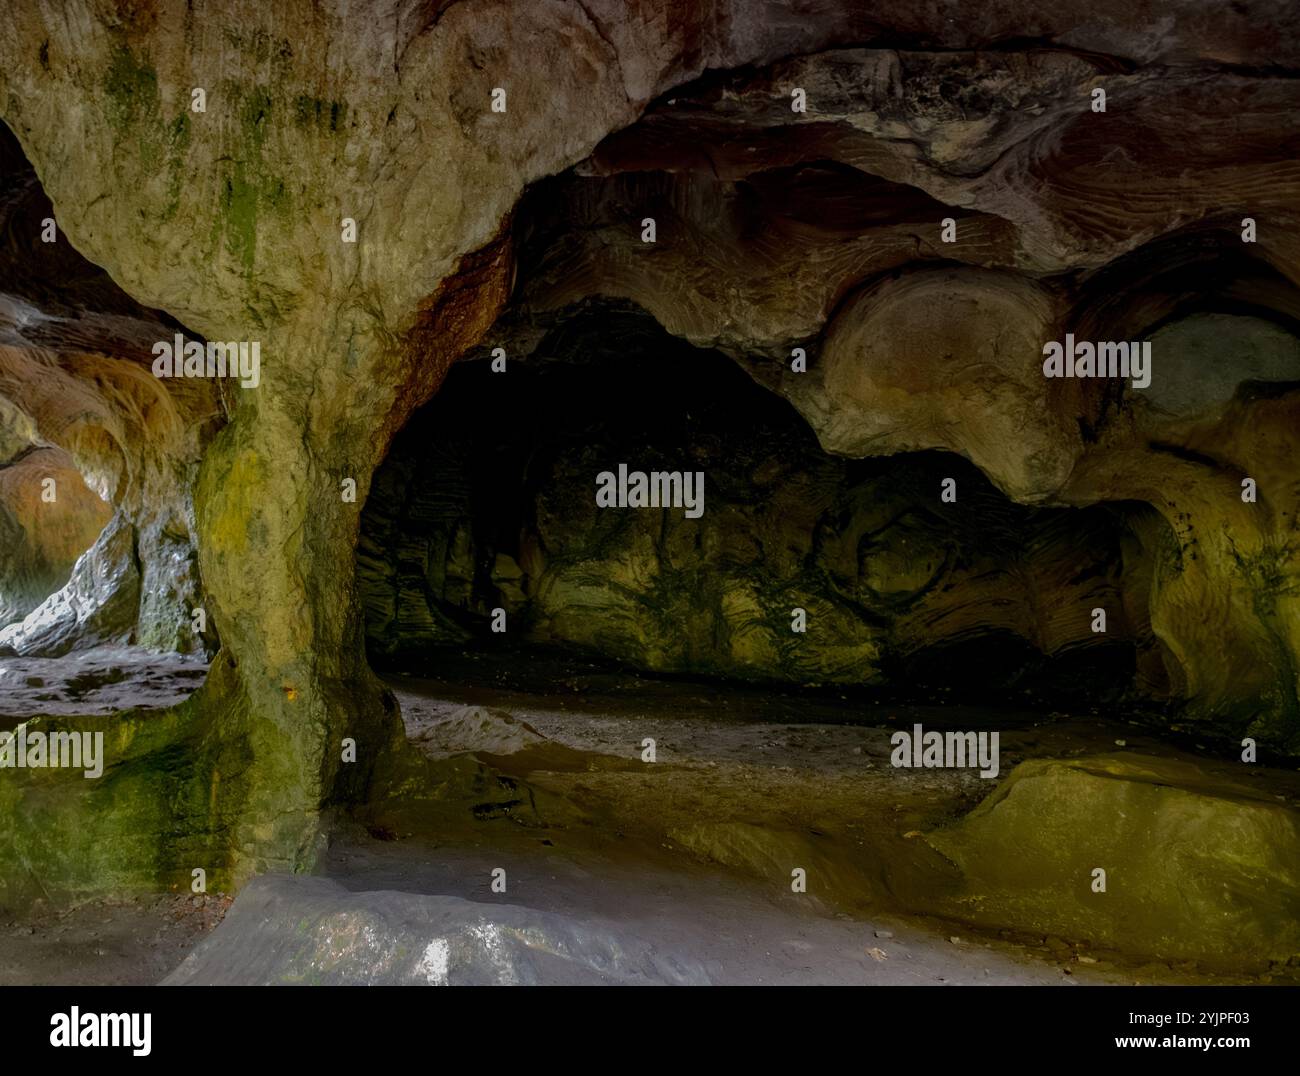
x: 589, y: 552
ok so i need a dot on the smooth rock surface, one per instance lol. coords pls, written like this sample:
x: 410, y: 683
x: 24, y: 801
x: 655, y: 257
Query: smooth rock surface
x: 312, y: 931
x: 1196, y: 867
x: 42, y: 539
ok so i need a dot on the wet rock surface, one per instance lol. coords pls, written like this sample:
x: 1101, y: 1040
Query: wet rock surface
x: 97, y: 681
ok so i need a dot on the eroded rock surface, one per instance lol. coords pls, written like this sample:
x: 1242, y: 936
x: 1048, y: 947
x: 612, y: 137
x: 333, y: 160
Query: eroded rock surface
x: 1194, y: 867
x: 782, y: 233
x: 99, y: 680
x: 487, y: 501
x: 42, y: 540
x: 100, y: 603
x: 77, y: 388
x: 227, y: 224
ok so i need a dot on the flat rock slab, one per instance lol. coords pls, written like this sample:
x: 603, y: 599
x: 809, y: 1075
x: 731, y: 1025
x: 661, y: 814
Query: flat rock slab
x: 99, y: 681
x: 285, y: 930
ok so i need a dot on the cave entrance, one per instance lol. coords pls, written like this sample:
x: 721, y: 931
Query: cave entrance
x: 484, y: 544
x: 70, y: 599
x: 98, y: 575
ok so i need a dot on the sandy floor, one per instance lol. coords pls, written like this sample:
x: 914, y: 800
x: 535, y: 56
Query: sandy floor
x: 815, y: 771
x: 103, y: 942
x: 629, y: 841
x: 103, y: 680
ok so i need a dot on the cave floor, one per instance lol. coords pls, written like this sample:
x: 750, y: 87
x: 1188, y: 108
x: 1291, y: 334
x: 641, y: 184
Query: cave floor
x: 98, y: 681
x: 127, y: 942
x: 692, y: 851
x: 753, y: 755
x: 696, y: 847
x: 743, y: 931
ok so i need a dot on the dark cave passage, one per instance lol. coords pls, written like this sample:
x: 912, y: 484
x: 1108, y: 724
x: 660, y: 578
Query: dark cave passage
x: 631, y: 685
x: 915, y: 576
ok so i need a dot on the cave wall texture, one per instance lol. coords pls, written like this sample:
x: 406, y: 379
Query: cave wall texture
x: 485, y: 503
x: 776, y: 230
x: 77, y: 395
x: 45, y: 539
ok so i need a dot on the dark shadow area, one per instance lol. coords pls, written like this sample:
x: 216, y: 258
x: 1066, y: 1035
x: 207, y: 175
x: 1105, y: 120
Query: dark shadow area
x: 485, y: 514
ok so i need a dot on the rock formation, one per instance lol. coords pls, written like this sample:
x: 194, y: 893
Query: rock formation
x: 1030, y: 855
x: 776, y: 229
x: 486, y: 502
x: 44, y: 539
x: 76, y: 384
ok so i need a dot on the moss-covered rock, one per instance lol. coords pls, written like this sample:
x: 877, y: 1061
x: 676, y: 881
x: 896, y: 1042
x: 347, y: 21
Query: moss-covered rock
x: 229, y: 220
x: 1196, y: 867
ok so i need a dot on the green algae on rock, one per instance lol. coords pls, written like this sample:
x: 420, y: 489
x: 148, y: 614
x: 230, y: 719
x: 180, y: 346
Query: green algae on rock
x: 1195, y: 867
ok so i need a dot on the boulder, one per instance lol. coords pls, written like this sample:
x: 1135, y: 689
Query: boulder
x: 311, y: 931
x: 1197, y: 866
